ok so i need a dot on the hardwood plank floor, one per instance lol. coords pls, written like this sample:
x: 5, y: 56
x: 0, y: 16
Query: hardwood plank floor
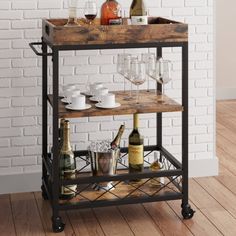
x: 214, y: 199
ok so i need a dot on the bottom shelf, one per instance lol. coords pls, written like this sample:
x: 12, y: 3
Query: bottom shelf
x: 123, y: 192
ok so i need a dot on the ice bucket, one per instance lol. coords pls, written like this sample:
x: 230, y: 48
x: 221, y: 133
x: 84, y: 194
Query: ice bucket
x: 104, y: 163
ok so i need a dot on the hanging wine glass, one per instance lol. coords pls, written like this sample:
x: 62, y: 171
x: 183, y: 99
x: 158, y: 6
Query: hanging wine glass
x: 160, y: 70
x: 72, y: 20
x: 90, y: 11
x: 137, y: 75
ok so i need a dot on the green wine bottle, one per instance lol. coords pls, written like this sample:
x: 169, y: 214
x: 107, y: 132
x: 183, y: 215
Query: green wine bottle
x: 136, y: 149
x: 138, y: 13
x: 67, y: 164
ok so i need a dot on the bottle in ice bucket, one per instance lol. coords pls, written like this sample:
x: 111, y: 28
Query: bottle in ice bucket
x: 116, y: 142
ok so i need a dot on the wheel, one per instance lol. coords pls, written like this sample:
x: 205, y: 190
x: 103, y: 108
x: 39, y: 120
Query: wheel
x: 57, y: 225
x: 44, y: 193
x: 187, y: 212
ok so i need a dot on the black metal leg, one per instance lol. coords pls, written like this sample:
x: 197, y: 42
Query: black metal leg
x: 45, y: 118
x: 57, y: 223
x: 159, y: 115
x: 187, y: 212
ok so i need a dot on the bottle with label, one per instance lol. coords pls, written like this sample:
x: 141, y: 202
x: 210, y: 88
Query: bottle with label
x: 67, y: 164
x: 136, y: 148
x: 116, y: 142
x: 111, y: 13
x: 138, y: 13
x: 157, y: 165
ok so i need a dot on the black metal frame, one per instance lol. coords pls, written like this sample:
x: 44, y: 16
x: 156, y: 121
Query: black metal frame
x: 50, y: 169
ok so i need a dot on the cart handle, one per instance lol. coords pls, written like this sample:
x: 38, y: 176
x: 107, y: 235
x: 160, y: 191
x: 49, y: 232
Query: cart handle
x: 33, y: 44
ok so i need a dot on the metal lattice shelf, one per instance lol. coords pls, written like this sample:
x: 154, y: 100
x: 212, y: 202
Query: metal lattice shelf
x: 123, y: 190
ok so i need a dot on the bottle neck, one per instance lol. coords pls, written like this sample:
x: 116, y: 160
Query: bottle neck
x: 66, y: 137
x: 61, y: 129
x: 116, y: 142
x: 136, y: 121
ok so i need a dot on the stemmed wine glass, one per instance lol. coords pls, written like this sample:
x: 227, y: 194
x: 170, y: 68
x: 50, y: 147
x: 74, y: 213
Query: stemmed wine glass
x: 120, y: 65
x: 72, y: 20
x: 137, y: 75
x: 90, y: 11
x: 127, y: 74
x: 123, y: 68
x: 146, y: 57
x: 160, y: 70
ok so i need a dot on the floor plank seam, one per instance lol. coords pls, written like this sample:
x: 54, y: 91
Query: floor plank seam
x: 13, y: 218
x: 234, y: 216
x: 94, y: 214
x: 125, y: 220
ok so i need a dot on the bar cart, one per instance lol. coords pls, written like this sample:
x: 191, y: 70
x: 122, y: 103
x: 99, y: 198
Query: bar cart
x: 160, y: 33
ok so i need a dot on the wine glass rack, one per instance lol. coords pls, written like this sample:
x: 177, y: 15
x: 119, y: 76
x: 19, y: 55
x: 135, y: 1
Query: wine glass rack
x: 159, y: 34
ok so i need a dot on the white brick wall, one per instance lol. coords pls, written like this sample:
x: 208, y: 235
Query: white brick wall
x: 20, y: 80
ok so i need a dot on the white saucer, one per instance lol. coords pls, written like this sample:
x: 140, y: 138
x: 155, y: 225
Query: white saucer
x: 93, y: 99
x: 87, y: 106
x: 99, y: 105
x: 64, y: 100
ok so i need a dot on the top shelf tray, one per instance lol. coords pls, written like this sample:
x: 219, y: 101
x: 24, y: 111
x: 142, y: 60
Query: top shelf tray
x: 158, y: 30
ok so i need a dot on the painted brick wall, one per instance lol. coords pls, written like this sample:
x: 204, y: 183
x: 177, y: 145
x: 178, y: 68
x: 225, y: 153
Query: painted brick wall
x: 20, y: 82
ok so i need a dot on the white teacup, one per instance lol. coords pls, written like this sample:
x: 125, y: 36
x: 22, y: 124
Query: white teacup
x: 100, y: 92
x: 68, y: 86
x: 78, y: 101
x: 69, y: 93
x: 94, y: 86
x: 108, y: 100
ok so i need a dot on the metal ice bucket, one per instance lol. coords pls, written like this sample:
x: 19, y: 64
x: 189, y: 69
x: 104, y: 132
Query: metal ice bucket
x: 104, y: 163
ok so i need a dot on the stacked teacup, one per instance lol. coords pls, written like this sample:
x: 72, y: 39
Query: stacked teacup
x: 101, y: 95
x: 74, y: 99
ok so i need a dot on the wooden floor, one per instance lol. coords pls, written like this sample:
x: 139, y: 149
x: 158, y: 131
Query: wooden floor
x: 214, y: 198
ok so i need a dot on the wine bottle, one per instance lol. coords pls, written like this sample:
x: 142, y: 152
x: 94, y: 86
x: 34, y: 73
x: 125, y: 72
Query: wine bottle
x: 111, y: 13
x: 116, y: 142
x: 157, y: 165
x: 67, y: 164
x: 138, y: 13
x: 136, y: 148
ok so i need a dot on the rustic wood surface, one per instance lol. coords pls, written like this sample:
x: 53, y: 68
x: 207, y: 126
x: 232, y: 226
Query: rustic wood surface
x: 158, y: 30
x: 213, y: 199
x: 120, y: 191
x: 149, y: 103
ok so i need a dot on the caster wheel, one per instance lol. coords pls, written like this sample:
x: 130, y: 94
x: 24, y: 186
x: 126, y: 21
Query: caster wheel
x: 187, y: 212
x: 57, y: 225
x: 44, y: 194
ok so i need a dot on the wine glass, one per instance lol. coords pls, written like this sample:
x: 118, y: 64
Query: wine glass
x: 160, y: 70
x: 127, y: 74
x: 137, y: 75
x: 121, y: 66
x: 146, y: 57
x: 90, y: 11
x: 72, y: 20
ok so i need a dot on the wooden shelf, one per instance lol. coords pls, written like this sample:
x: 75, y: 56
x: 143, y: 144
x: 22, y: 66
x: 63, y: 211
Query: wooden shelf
x: 134, y: 190
x: 150, y: 102
x: 158, y: 30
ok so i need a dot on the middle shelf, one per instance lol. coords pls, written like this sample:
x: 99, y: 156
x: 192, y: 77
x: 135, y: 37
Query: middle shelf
x: 150, y: 102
